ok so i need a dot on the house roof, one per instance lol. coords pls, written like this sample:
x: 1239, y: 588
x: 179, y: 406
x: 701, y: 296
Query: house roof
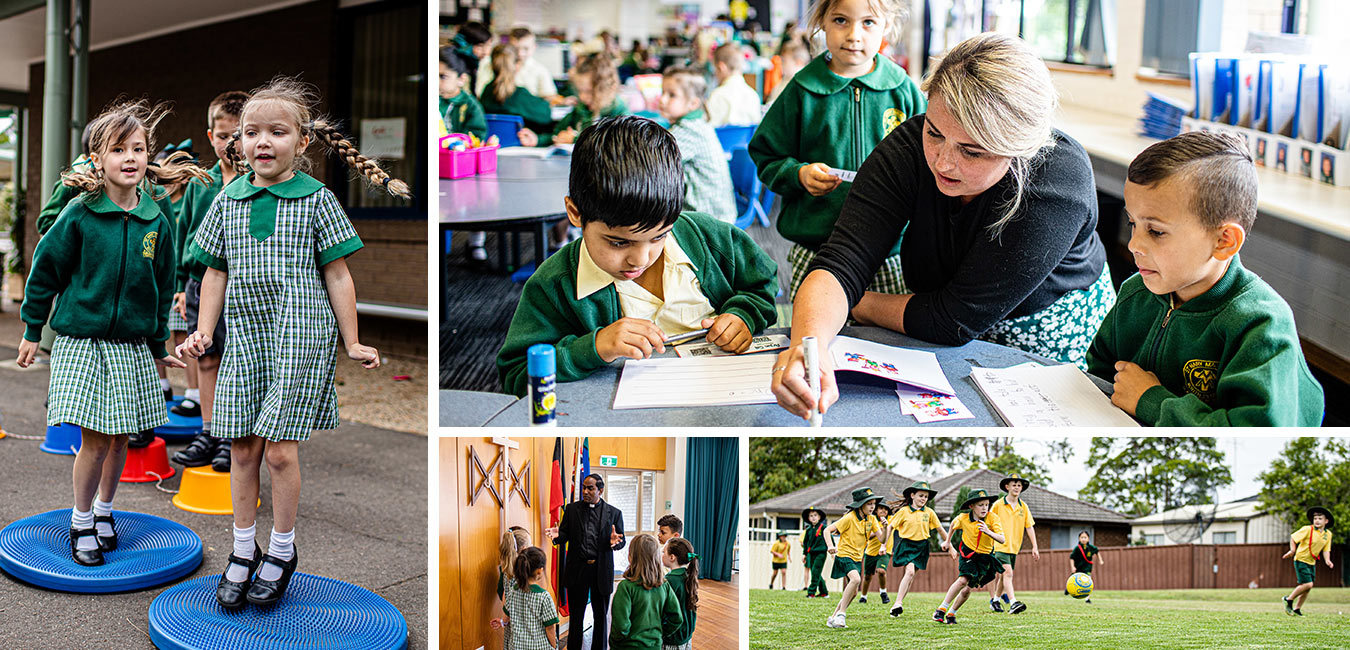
x: 1240, y: 510
x: 833, y: 496
x: 1045, y: 505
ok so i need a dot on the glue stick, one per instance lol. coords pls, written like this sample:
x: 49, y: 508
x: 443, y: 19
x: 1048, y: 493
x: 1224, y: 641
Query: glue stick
x: 543, y: 370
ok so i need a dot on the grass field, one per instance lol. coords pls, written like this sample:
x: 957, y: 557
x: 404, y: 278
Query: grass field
x: 1136, y: 620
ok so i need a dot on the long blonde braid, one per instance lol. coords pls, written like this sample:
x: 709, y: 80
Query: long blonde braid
x: 343, y: 147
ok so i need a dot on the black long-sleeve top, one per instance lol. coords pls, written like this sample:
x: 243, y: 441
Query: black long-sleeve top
x: 964, y: 281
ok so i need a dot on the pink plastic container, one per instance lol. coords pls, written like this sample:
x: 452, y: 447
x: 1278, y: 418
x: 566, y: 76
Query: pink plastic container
x: 487, y: 158
x: 458, y: 164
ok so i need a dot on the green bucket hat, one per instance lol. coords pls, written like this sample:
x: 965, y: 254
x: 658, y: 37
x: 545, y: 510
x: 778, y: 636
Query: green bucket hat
x: 1003, y: 485
x: 920, y: 486
x: 977, y: 495
x: 806, y: 515
x: 861, y: 496
x: 782, y: 533
x: 1316, y: 509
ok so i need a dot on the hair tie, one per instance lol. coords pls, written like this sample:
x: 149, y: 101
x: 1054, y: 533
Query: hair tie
x: 386, y: 181
x: 692, y: 556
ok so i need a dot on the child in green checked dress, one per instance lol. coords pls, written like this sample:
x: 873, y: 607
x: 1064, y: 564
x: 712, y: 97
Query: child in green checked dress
x: 275, y: 242
x: 533, y: 618
x: 110, y: 257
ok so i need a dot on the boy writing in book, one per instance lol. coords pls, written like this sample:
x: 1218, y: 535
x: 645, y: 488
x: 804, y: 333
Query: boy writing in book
x: 1194, y: 338
x: 643, y: 271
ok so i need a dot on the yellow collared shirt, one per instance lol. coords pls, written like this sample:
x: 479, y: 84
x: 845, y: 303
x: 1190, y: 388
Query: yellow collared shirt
x: 782, y: 548
x: 1310, y: 543
x: 971, y: 537
x: 853, y: 533
x: 915, y: 525
x: 1013, y: 520
x: 684, y: 306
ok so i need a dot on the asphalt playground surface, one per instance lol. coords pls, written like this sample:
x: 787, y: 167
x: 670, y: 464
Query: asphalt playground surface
x: 362, y: 519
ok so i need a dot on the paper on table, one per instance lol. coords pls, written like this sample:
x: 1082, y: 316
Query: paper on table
x: 761, y: 343
x: 843, y: 174
x: 535, y: 152
x: 1048, y: 396
x: 916, y: 368
x: 927, y: 406
x: 695, y: 381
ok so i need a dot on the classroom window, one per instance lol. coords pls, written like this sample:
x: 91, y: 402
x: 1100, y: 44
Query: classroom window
x: 1062, y: 31
x: 1175, y: 28
x: 1225, y: 538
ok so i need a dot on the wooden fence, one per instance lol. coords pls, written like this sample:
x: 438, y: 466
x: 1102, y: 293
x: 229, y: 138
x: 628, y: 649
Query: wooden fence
x: 1184, y: 566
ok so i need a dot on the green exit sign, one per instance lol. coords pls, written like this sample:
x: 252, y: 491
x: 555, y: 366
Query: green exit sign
x: 609, y: 461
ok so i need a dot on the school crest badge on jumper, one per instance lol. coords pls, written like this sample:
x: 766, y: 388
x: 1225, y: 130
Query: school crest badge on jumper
x: 148, y: 244
x: 1202, y: 378
x: 891, y: 119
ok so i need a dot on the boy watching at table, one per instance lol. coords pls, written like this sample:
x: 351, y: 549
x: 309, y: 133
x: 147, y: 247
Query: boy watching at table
x: 1194, y: 338
x: 643, y: 271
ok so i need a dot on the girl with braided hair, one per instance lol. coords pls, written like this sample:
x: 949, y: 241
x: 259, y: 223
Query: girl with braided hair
x: 275, y: 243
x: 110, y: 256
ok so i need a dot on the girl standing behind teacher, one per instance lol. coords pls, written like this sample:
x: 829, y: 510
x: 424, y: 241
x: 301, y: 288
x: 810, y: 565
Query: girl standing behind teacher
x: 110, y: 256
x: 830, y: 117
x: 275, y: 243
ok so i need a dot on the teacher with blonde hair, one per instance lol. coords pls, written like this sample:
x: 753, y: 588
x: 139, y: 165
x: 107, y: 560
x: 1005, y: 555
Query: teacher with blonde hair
x: 999, y: 214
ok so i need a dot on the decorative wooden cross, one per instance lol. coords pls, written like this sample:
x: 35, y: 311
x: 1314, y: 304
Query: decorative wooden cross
x: 500, y: 478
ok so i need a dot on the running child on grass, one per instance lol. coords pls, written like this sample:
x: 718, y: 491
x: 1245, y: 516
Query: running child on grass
x: 275, y: 243
x: 1014, y: 516
x: 109, y: 255
x: 855, y: 528
x: 1083, y: 557
x: 910, y: 527
x: 1305, y: 544
x: 976, y: 565
x: 780, y: 552
x: 814, y: 551
x: 876, y: 556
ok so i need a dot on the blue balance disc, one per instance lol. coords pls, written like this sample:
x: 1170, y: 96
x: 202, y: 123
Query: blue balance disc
x: 62, y: 439
x: 316, y: 612
x: 151, y: 551
x: 179, y: 428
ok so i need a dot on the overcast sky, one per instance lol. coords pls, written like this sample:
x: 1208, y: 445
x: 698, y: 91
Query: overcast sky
x: 1246, y: 457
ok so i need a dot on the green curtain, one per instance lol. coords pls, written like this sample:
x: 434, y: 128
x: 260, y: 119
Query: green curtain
x: 712, y: 503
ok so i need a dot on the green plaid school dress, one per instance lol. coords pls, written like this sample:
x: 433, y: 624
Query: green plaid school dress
x: 889, y: 278
x: 104, y: 385
x: 276, y: 375
x: 531, y: 612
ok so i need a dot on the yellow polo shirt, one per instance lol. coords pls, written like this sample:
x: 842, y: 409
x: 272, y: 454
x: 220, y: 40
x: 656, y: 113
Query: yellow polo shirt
x: 1013, y: 520
x: 779, y: 547
x: 971, y: 537
x: 853, y: 534
x: 684, y: 306
x: 874, y: 544
x: 1307, y: 552
x: 914, y: 525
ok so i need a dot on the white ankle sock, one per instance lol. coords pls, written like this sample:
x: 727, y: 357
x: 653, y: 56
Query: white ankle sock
x: 80, y: 521
x: 281, y: 547
x: 243, y: 547
x: 164, y: 384
x: 944, y: 605
x: 103, y: 509
x: 193, y: 394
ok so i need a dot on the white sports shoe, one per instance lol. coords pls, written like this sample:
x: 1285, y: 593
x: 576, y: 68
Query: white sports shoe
x: 836, y: 621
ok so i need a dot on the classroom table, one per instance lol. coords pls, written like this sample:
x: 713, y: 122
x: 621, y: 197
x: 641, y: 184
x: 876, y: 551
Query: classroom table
x: 586, y: 403
x: 523, y: 195
x: 466, y: 408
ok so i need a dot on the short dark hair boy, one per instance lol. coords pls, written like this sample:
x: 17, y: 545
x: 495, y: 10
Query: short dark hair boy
x: 1194, y: 338
x: 643, y: 270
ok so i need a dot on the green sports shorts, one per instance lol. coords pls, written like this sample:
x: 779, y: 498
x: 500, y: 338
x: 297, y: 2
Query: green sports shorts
x: 1006, y: 559
x: 843, y: 566
x: 1305, y: 572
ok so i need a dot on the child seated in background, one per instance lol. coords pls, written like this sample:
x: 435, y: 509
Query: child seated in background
x: 734, y: 101
x: 643, y: 270
x: 461, y: 112
x: 505, y: 96
x: 707, y: 178
x: 794, y: 56
x: 596, y: 82
x: 1194, y: 338
x: 530, y: 74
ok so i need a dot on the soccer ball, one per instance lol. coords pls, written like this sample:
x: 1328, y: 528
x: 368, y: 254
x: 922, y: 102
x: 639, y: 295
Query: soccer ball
x: 1079, y: 586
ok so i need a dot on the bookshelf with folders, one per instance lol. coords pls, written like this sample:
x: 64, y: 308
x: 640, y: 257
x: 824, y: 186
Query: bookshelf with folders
x: 1294, y: 112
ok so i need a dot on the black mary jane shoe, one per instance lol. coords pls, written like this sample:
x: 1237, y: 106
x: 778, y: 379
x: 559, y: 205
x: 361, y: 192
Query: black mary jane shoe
x: 140, y: 439
x: 266, y: 593
x: 108, y: 543
x: 199, y: 452
x: 230, y: 594
x: 92, y: 557
x: 187, y: 408
x: 221, y: 461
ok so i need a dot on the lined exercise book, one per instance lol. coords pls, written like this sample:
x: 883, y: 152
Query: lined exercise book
x: 695, y: 381
x: 1047, y: 396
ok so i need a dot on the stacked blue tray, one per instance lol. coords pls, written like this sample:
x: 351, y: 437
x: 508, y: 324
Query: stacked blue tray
x: 1162, y: 117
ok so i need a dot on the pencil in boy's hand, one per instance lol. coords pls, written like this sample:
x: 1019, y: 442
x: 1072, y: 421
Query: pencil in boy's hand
x: 686, y: 337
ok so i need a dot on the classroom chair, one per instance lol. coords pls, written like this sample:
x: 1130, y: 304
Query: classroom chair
x: 734, y: 137
x: 749, y: 190
x: 505, y: 127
